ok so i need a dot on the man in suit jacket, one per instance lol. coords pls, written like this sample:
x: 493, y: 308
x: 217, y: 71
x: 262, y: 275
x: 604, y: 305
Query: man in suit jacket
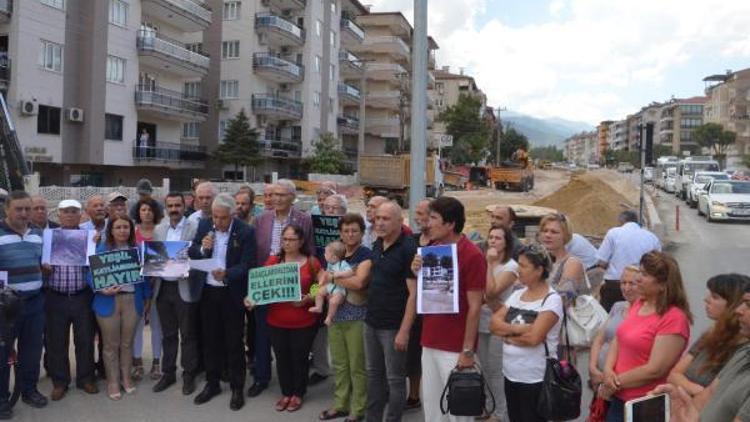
x: 268, y: 228
x: 176, y: 302
x: 231, y: 243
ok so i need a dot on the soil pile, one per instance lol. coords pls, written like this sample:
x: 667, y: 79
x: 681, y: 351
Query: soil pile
x: 591, y: 204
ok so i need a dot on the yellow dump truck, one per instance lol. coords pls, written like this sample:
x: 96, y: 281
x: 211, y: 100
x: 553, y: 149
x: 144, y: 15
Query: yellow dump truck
x: 389, y: 176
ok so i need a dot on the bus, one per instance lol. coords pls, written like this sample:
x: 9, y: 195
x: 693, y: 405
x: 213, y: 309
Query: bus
x: 687, y: 168
x: 660, y: 172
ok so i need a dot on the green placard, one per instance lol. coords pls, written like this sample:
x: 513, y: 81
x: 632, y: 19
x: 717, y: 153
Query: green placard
x: 274, y: 284
x: 325, y: 229
x: 115, y: 268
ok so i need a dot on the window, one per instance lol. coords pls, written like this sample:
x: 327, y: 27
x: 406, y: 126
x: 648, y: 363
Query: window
x: 231, y: 10
x: 333, y: 72
x: 333, y: 38
x: 196, y: 47
x: 48, y: 120
x: 230, y: 49
x: 330, y: 104
x: 192, y: 89
x: 318, y: 27
x: 50, y: 56
x: 317, y: 63
x: 316, y: 99
x: 113, y: 127
x: 690, y: 122
x: 115, y: 69
x: 191, y: 130
x: 229, y: 89
x: 333, y: 7
x: 118, y: 12
x: 59, y: 4
x: 222, y: 129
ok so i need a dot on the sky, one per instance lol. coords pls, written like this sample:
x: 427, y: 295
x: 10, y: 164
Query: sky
x: 586, y: 60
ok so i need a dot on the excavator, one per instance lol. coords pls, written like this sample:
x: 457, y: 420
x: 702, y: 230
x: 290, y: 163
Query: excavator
x: 12, y: 163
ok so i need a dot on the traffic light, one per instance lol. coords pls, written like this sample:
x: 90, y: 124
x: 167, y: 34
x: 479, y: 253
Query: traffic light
x: 649, y: 144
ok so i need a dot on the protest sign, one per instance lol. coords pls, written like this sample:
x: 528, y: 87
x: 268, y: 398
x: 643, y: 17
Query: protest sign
x: 68, y: 247
x: 274, y: 284
x: 325, y: 229
x: 115, y: 268
x: 437, y: 281
x: 165, y: 258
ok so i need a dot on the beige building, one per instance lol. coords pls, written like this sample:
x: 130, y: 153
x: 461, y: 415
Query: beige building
x: 727, y: 102
x: 604, y: 132
x: 648, y: 114
x: 617, y: 139
x: 448, y: 88
x: 583, y: 148
x: 679, y: 118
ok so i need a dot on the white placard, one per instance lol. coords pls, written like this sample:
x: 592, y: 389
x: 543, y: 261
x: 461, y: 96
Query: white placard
x: 437, y: 281
x: 68, y: 247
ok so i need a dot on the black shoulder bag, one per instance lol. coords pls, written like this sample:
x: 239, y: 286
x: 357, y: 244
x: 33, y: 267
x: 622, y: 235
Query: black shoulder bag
x: 464, y: 393
x: 560, y: 397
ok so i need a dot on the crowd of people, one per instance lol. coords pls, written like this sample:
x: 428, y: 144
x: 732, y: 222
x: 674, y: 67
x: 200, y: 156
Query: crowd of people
x: 385, y: 358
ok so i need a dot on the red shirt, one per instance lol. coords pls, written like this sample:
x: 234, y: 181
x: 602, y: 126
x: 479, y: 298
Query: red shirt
x: 140, y: 238
x: 446, y: 332
x: 635, y: 338
x: 286, y: 315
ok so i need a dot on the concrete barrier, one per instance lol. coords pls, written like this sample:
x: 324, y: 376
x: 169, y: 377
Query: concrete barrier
x: 340, y: 179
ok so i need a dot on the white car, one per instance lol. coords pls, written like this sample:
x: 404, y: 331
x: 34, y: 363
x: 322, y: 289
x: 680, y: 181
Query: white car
x: 700, y: 179
x: 670, y: 181
x: 725, y: 200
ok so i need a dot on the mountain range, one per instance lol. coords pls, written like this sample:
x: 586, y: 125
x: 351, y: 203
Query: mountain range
x: 543, y: 132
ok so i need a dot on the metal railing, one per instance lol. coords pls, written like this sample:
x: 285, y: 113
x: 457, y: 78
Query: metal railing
x: 6, y: 6
x: 272, y: 102
x: 169, y: 151
x: 355, y: 29
x: 281, y: 147
x: 4, y: 67
x: 269, y: 20
x: 268, y: 60
x: 149, y: 40
x: 351, y: 59
x: 349, y: 90
x: 193, y: 7
x: 177, y: 101
x: 351, y: 122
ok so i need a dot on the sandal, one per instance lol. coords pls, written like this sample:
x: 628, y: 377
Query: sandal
x: 156, y: 373
x: 116, y: 395
x: 294, y: 404
x: 329, y: 414
x: 282, y: 404
x: 137, y: 372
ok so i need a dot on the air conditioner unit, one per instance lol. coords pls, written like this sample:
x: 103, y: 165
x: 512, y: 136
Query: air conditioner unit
x: 75, y: 115
x: 29, y: 107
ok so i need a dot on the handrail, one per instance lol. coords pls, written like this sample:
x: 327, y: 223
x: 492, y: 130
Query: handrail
x: 194, y: 7
x: 350, y: 58
x: 169, y: 151
x: 168, y: 98
x: 276, y: 62
x: 268, y: 19
x: 266, y: 101
x: 349, y: 90
x: 353, y: 27
x: 150, y: 40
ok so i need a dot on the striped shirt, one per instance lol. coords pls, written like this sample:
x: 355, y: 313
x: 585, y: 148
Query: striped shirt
x: 278, y: 227
x: 20, y: 256
x: 67, y: 279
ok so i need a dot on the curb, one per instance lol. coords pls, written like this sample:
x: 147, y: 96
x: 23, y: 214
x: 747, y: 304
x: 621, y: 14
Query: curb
x: 654, y: 221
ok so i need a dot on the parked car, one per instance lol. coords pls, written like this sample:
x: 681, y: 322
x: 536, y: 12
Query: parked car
x: 725, y: 200
x: 625, y: 167
x: 687, y: 168
x: 670, y: 180
x: 648, y: 174
x: 741, y: 175
x: 700, y: 179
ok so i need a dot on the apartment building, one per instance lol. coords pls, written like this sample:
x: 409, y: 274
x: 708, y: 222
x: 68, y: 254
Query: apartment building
x: 679, y: 118
x: 728, y: 96
x: 604, y: 132
x: 448, y: 88
x: 617, y: 139
x: 106, y: 92
x: 583, y: 148
x: 648, y: 114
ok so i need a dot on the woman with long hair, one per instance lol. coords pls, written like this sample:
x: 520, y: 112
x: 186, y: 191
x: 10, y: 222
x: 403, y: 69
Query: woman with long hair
x: 651, y: 339
x: 699, y: 366
x: 118, y: 310
x: 568, y: 276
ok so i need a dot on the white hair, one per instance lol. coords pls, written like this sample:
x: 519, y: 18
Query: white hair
x: 208, y: 185
x: 340, y: 199
x: 287, y: 185
x: 224, y: 200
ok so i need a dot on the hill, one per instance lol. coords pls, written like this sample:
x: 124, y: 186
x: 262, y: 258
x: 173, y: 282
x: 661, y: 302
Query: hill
x: 543, y: 132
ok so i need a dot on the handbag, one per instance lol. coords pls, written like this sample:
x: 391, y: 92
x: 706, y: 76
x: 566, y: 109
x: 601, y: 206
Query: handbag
x: 586, y: 317
x: 560, y: 396
x: 597, y: 410
x: 464, y: 394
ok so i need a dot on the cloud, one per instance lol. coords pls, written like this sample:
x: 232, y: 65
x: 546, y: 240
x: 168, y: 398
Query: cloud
x: 598, y: 58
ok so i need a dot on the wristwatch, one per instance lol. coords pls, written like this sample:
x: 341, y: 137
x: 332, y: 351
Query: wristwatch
x: 469, y: 353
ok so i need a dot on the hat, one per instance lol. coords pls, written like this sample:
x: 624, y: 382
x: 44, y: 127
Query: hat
x: 143, y: 187
x: 68, y: 203
x: 113, y: 196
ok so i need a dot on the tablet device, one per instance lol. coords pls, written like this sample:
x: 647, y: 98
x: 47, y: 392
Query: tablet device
x: 648, y: 409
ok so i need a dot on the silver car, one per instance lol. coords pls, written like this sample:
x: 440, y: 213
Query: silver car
x: 700, y: 179
x: 725, y: 200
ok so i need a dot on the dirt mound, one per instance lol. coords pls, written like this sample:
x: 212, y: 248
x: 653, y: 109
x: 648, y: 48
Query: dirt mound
x: 591, y: 204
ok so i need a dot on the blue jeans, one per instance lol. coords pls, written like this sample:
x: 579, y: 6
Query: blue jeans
x: 28, y: 330
x: 386, y: 375
x: 262, y: 368
x: 616, y: 410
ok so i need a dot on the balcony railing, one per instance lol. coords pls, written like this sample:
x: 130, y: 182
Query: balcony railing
x: 281, y: 147
x: 353, y: 28
x: 269, y: 103
x: 193, y: 7
x: 4, y: 68
x: 169, y: 152
x: 270, y: 21
x: 6, y: 8
x: 151, y: 41
x: 270, y: 61
x: 348, y: 122
x: 350, y: 59
x: 349, y: 91
x: 170, y: 100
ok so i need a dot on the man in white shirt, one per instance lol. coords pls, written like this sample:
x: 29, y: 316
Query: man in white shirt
x: 205, y: 193
x: 581, y: 248
x: 176, y: 302
x: 622, y: 246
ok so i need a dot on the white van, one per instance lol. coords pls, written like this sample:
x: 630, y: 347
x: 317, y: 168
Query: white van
x: 687, y: 168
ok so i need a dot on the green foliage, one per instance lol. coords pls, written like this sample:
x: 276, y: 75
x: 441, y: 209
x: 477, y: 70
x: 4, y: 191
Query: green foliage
x: 471, y: 133
x: 329, y: 157
x: 622, y: 156
x: 549, y: 153
x: 662, y: 151
x: 746, y: 161
x: 713, y: 136
x: 240, y: 144
x: 510, y: 141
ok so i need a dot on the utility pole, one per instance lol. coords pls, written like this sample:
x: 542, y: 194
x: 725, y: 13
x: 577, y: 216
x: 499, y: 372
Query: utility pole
x: 418, y: 107
x: 362, y: 108
x: 499, y: 136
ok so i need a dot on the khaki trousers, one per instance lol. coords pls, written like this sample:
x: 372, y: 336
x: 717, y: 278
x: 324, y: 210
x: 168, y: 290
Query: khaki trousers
x: 118, y: 331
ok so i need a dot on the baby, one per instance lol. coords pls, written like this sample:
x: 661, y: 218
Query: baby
x: 339, y: 268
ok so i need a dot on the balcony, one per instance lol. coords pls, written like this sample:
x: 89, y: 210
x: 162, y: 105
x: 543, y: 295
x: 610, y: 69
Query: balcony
x: 350, y: 65
x: 6, y: 8
x: 286, y: 4
x: 170, y: 55
x: 278, y: 31
x: 277, y: 69
x: 281, y: 148
x: 383, y: 127
x: 384, y: 44
x: 383, y: 99
x: 351, y: 33
x: 170, y: 154
x: 168, y: 104
x: 348, y: 125
x: 349, y: 94
x: 276, y: 108
x: 385, y: 72
x: 187, y: 15
x: 4, y: 70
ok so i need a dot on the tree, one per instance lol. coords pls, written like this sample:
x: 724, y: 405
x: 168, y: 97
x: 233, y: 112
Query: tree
x: 471, y: 133
x: 549, y: 153
x: 240, y: 144
x: 713, y: 136
x: 328, y: 157
x: 510, y: 141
